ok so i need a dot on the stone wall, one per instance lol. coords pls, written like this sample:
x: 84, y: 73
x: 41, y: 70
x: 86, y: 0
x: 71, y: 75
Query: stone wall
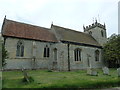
x: 83, y: 64
x: 14, y: 62
x: 41, y: 62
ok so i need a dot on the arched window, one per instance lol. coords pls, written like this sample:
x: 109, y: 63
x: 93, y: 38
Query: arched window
x: 97, y: 55
x: 20, y: 49
x: 55, y: 54
x: 77, y: 54
x: 46, y: 51
x: 102, y: 33
x: 90, y: 33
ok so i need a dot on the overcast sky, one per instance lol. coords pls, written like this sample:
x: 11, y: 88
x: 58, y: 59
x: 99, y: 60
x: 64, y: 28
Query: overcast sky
x: 66, y: 13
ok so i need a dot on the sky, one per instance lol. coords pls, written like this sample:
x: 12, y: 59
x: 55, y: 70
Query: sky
x: 71, y: 14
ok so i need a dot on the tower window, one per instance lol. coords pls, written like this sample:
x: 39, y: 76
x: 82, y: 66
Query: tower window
x: 20, y: 49
x: 97, y: 55
x: 102, y: 33
x: 77, y: 54
x: 46, y: 51
x: 90, y: 33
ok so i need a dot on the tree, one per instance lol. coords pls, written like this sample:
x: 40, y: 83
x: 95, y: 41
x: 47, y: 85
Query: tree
x: 112, y: 51
x: 4, y: 54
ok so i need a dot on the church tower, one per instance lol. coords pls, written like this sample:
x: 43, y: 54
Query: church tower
x: 97, y: 31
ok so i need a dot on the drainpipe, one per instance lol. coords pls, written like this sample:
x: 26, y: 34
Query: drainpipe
x: 68, y: 57
x: 4, y: 41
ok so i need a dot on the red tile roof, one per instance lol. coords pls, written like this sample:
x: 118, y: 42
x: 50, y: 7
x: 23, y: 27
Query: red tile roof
x: 22, y: 30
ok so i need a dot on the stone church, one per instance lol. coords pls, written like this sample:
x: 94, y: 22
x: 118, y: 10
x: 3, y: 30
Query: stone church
x: 54, y: 48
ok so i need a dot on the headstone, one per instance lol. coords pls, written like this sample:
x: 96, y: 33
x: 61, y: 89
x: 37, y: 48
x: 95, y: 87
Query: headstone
x: 94, y: 73
x: 118, y: 70
x: 25, y: 75
x: 91, y: 72
x: 105, y: 71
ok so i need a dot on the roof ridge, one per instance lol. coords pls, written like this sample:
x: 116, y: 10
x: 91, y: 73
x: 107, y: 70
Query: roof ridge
x: 27, y: 24
x: 71, y: 29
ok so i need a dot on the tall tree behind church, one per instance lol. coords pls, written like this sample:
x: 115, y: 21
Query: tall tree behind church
x: 112, y: 51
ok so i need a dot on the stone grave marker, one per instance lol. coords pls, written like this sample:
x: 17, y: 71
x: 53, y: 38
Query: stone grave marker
x: 91, y: 72
x: 25, y: 75
x: 105, y: 71
x: 118, y: 71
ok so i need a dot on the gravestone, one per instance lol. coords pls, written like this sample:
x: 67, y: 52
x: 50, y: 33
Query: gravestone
x: 91, y: 72
x: 25, y: 75
x: 105, y: 71
x: 118, y: 71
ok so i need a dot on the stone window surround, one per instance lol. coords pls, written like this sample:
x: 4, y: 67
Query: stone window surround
x: 77, y: 55
x: 46, y: 52
x: 97, y: 55
x: 20, y: 49
x: 102, y: 33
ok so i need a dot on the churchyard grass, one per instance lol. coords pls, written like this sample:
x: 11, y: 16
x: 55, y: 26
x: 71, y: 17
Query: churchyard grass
x: 72, y: 79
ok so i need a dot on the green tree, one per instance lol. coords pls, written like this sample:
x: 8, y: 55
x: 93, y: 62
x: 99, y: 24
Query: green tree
x: 112, y: 51
x: 4, y: 54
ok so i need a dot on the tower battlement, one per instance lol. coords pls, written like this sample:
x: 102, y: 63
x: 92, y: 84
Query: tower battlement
x: 96, y: 24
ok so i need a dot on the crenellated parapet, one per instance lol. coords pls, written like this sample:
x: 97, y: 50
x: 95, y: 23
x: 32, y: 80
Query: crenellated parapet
x: 96, y: 24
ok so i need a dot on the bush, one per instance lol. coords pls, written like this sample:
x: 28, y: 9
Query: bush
x: 49, y: 71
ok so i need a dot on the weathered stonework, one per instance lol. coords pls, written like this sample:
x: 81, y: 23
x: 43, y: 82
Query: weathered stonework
x: 41, y: 62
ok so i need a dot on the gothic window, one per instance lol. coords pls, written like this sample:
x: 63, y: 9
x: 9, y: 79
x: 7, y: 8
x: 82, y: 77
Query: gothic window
x: 90, y: 33
x: 55, y: 54
x: 102, y: 33
x: 46, y: 51
x: 77, y: 54
x: 97, y: 55
x: 20, y: 49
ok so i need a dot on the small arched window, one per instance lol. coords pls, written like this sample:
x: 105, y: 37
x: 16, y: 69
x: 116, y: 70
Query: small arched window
x: 102, y: 33
x: 90, y: 33
x: 77, y: 54
x: 46, y: 51
x: 97, y: 55
x: 20, y: 49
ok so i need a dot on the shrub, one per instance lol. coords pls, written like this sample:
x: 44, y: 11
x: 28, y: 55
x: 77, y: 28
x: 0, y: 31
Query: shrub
x: 49, y: 71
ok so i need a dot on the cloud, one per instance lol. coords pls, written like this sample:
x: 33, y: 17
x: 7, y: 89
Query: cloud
x: 68, y: 13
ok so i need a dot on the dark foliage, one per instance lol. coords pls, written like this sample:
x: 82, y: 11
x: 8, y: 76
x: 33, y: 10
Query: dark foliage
x: 112, y: 51
x: 4, y: 55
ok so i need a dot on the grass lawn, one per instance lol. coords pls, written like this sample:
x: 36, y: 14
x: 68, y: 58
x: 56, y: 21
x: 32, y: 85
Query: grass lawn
x: 73, y: 79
